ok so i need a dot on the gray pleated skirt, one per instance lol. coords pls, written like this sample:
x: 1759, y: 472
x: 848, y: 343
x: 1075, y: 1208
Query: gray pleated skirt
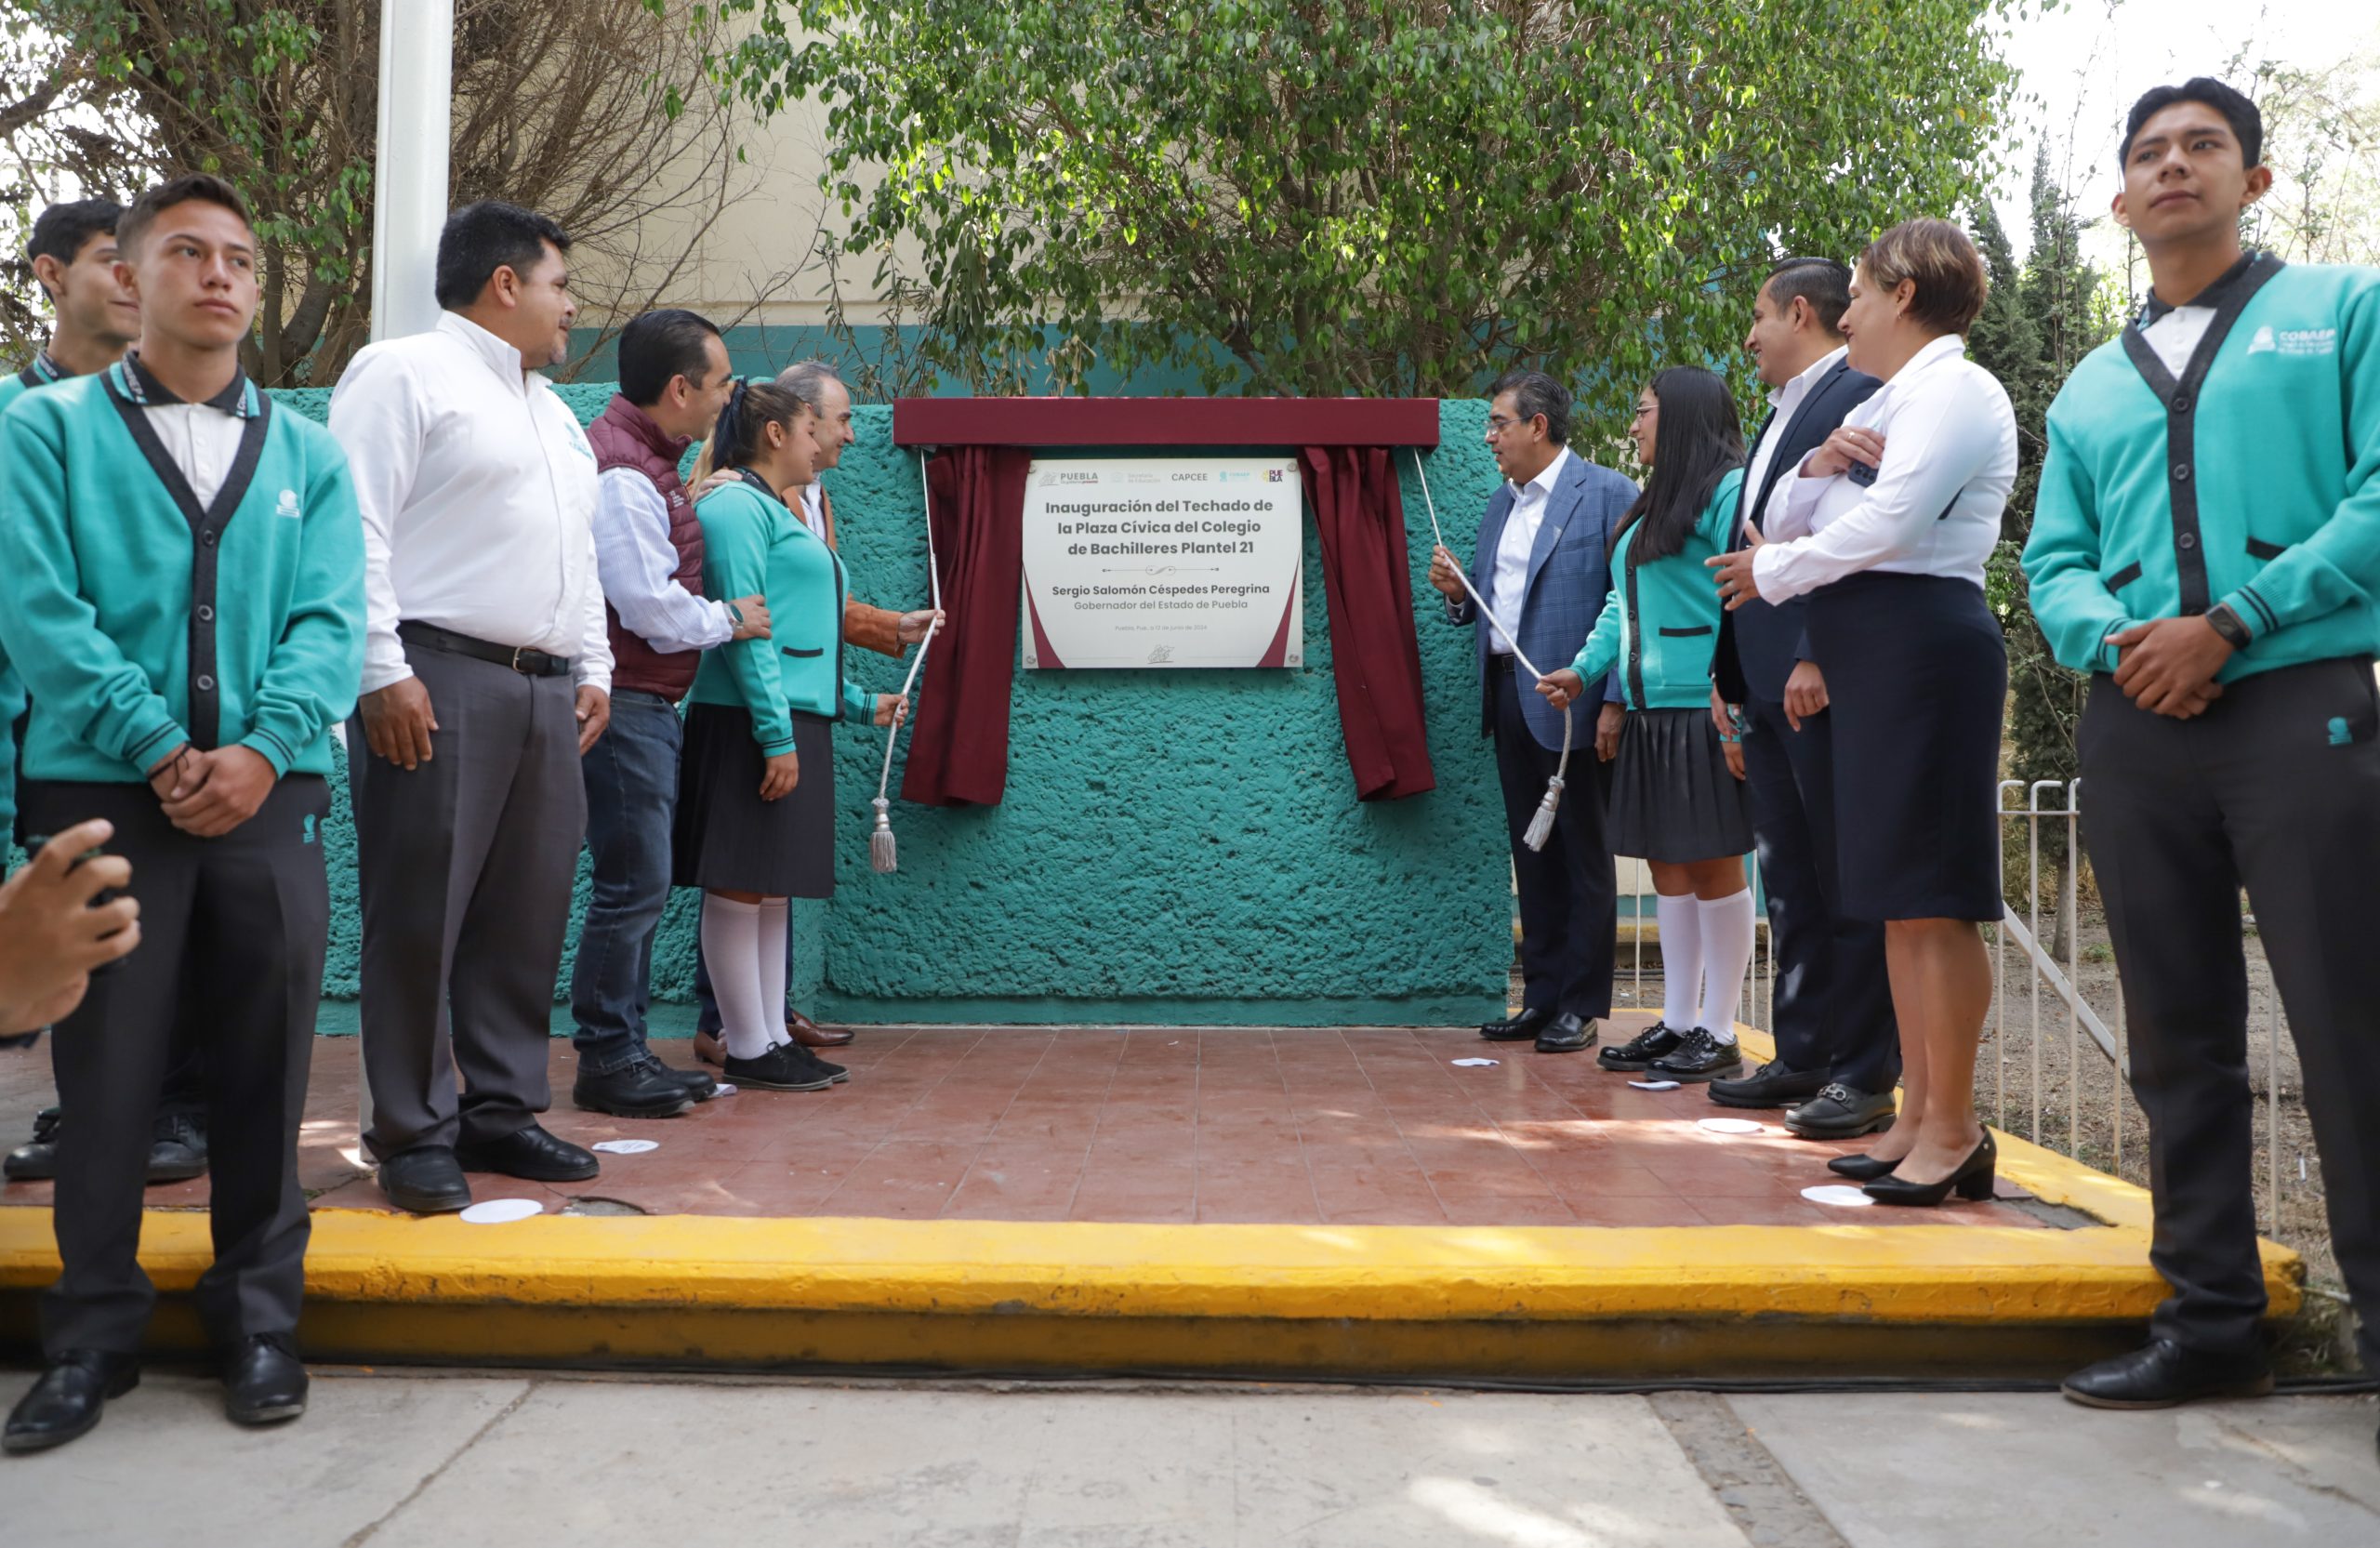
x: 1672, y: 796
x: 726, y: 836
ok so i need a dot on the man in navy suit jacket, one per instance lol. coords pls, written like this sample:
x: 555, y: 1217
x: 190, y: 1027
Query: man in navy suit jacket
x: 1838, y: 1052
x: 1542, y: 564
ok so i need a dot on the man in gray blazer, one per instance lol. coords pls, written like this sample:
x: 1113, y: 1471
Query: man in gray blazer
x: 1541, y: 563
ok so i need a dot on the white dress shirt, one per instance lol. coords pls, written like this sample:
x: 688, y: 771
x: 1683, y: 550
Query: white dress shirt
x: 1508, y: 582
x: 201, y: 438
x: 477, y: 490
x: 2176, y: 333
x: 814, y: 507
x: 1934, y: 509
x: 640, y: 569
x: 1782, y: 404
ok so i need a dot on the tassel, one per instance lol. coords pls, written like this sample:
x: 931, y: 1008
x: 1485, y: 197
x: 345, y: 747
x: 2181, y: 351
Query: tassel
x: 1541, y: 826
x: 880, y: 852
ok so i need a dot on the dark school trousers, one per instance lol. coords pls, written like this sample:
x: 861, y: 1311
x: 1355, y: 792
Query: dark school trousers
x: 233, y: 933
x: 1568, y: 894
x: 466, y: 865
x: 1834, y: 1002
x: 2277, y: 788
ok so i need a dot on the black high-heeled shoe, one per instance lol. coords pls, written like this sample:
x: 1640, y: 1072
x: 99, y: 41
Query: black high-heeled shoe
x: 1861, y: 1169
x: 1972, y: 1181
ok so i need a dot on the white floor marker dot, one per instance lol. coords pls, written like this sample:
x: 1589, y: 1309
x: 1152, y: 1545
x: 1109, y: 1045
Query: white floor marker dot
x: 1654, y: 1085
x: 1841, y: 1195
x: 502, y: 1211
x: 1730, y: 1126
x: 624, y: 1147
x: 1476, y: 1064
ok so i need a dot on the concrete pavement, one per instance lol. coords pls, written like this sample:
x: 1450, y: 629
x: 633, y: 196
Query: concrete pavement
x: 453, y: 1461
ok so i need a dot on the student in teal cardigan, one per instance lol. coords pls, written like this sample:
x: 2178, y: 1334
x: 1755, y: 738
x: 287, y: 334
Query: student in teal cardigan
x: 756, y: 787
x: 181, y: 583
x: 2206, y: 544
x: 1677, y: 794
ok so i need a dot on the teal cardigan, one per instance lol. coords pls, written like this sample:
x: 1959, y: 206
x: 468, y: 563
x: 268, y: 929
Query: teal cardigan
x: 752, y: 543
x: 12, y: 687
x: 2257, y: 483
x: 139, y: 622
x: 1660, y: 623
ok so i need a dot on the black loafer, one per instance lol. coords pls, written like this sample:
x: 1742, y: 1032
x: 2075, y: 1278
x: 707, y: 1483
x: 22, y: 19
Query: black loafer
x: 1520, y: 1029
x: 36, y: 1161
x: 1640, y: 1051
x: 2167, y: 1373
x: 1840, y: 1112
x: 68, y: 1399
x: 264, y: 1381
x: 529, y: 1153
x: 1700, y: 1057
x: 1566, y: 1034
x: 640, y: 1090
x: 1772, y: 1085
x: 425, y: 1180
x: 177, y: 1149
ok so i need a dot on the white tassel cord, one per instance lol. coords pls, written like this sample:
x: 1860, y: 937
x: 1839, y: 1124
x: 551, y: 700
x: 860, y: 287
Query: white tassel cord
x: 881, y: 852
x: 1541, y: 825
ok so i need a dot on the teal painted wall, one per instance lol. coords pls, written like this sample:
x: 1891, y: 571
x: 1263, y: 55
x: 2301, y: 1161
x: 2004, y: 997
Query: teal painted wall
x: 1176, y: 847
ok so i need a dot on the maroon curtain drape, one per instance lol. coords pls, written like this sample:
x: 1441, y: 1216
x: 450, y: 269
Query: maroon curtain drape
x: 958, y: 746
x: 1374, y: 654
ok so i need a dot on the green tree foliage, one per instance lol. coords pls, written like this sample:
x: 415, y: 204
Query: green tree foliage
x: 1368, y: 196
x: 2042, y: 319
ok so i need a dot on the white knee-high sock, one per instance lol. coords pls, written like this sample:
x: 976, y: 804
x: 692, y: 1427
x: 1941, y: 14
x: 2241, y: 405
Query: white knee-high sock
x: 775, y: 920
x: 1727, y: 952
x: 732, y: 947
x: 1681, y: 925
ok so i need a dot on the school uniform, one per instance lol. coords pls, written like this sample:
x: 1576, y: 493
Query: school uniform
x: 1672, y: 795
x: 754, y: 699
x: 1891, y: 559
x: 1832, y: 1017
x: 182, y: 574
x: 2224, y: 452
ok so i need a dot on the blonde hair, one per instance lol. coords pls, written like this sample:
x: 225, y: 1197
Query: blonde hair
x: 1951, y: 284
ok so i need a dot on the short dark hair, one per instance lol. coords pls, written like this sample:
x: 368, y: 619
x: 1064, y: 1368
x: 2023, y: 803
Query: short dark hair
x: 480, y: 239
x: 62, y: 230
x: 1534, y: 392
x: 1823, y: 283
x: 203, y: 188
x: 2247, y: 122
x: 1952, y: 283
x: 658, y: 347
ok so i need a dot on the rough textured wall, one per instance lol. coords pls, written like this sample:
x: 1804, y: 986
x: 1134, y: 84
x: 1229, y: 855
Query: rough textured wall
x: 1176, y: 846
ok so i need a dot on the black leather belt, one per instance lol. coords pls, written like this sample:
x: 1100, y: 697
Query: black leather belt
x: 521, y: 659
x: 1502, y: 661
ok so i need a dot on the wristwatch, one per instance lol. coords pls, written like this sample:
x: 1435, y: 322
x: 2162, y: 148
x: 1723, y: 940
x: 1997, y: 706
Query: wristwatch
x: 2227, y: 623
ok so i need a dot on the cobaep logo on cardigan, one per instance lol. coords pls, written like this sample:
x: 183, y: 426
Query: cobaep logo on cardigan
x: 2294, y: 341
x: 288, y: 505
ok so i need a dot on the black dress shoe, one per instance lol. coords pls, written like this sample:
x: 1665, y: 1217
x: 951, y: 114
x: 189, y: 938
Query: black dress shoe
x: 1566, y: 1034
x: 785, y: 1067
x: 1772, y: 1085
x: 529, y: 1153
x: 426, y: 1181
x: 639, y: 1090
x: 2167, y: 1373
x: 1643, y: 1049
x: 68, y: 1399
x: 177, y: 1149
x: 1971, y: 1181
x: 35, y: 1161
x: 1840, y: 1112
x: 698, y: 1082
x: 1861, y: 1169
x: 1700, y: 1057
x: 264, y: 1381
x: 1520, y: 1029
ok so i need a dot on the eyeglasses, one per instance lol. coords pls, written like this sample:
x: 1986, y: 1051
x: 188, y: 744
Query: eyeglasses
x: 1497, y: 424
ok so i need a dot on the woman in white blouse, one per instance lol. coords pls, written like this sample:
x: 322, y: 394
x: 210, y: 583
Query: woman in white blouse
x: 1886, y: 528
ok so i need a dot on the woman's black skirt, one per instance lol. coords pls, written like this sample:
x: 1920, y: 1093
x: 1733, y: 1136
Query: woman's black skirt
x: 726, y: 838
x: 1917, y: 684
x: 1672, y: 796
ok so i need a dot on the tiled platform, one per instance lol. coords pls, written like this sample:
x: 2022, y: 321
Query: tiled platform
x: 1163, y: 1127
x: 1248, y: 1201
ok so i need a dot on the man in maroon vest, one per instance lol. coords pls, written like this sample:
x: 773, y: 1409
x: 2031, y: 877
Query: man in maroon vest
x: 674, y: 380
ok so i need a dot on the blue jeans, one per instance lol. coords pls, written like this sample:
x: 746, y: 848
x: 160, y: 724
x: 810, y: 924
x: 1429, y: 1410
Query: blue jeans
x: 631, y: 774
